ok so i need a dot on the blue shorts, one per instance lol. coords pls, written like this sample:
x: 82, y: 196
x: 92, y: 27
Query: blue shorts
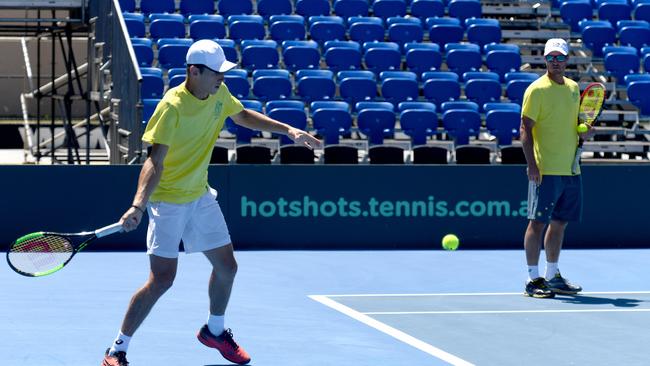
x: 559, y: 197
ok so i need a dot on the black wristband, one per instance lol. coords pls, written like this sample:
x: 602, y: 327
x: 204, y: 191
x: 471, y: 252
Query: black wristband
x: 138, y: 208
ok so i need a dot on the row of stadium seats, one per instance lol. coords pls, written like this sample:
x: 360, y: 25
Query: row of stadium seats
x: 355, y: 86
x: 343, y: 8
x: 461, y: 120
x: 573, y: 11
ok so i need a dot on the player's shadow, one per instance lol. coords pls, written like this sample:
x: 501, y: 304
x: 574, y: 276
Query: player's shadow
x: 592, y: 300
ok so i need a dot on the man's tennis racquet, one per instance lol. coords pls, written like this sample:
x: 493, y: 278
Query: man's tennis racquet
x: 43, y: 253
x: 591, y: 104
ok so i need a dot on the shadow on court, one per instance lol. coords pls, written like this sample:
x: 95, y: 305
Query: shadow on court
x: 593, y: 300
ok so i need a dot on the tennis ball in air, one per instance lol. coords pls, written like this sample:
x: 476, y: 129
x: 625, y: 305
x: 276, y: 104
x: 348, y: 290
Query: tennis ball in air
x: 450, y: 242
x: 582, y: 128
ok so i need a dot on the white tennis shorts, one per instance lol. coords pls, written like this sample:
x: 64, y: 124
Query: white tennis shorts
x: 200, y: 224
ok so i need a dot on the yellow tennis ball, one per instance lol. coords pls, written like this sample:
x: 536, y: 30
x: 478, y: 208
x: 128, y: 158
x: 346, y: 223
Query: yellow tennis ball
x: 582, y: 128
x: 450, y: 242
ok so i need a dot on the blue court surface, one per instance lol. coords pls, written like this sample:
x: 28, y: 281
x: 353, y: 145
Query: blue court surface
x: 356, y: 308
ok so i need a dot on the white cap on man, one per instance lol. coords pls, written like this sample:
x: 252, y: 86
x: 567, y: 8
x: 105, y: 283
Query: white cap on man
x: 556, y: 45
x: 208, y: 53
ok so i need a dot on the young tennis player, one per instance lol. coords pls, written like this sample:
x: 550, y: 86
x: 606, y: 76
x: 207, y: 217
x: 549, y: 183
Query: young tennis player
x: 549, y: 138
x: 173, y: 189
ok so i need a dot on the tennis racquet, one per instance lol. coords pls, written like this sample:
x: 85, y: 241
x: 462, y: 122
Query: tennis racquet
x: 43, y: 253
x: 591, y: 104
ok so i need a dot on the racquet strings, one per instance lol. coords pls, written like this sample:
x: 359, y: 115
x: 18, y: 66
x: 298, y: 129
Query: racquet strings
x: 36, y: 253
x: 591, y: 104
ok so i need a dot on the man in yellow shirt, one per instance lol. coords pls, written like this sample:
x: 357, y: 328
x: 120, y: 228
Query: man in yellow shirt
x: 549, y: 138
x: 173, y: 188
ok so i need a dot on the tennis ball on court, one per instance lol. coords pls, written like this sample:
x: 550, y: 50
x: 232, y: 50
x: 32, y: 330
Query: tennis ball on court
x: 582, y: 128
x: 450, y: 242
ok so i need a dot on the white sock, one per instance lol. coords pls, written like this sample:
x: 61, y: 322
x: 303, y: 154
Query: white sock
x: 551, y: 270
x: 533, y: 272
x: 216, y: 324
x: 121, y: 343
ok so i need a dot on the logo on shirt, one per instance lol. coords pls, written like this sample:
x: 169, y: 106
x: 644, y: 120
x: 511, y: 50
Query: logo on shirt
x: 218, y: 106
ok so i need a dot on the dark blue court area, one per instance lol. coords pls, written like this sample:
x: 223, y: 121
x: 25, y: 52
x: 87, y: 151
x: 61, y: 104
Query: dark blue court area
x: 340, y: 308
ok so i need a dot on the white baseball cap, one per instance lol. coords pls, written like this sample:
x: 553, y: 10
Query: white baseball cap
x: 208, y: 53
x: 556, y: 44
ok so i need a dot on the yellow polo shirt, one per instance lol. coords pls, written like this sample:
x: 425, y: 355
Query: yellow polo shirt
x: 554, y: 108
x: 189, y: 127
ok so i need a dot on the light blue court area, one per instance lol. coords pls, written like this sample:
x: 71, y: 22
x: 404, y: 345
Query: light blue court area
x: 358, y: 308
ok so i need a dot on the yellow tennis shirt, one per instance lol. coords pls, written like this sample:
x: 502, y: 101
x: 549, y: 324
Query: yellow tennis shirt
x: 190, y: 127
x: 554, y: 108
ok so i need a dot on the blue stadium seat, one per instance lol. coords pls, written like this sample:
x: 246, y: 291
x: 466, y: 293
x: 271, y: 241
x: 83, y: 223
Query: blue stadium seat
x: 504, y: 124
x: 503, y: 62
x: 228, y: 46
x: 188, y: 7
x: 461, y: 124
x: 500, y: 47
x: 372, y: 104
x: 638, y: 92
x: 246, y: 27
x: 399, y: 86
x: 172, y: 55
x: 143, y: 51
x: 470, y: 75
x: 448, y: 75
x: 259, y: 54
x: 242, y: 134
x: 308, y: 8
x: 459, y: 104
x: 287, y: 27
x: 136, y: 16
x: 636, y: 77
x: 237, y: 82
x: 152, y: 86
x: 573, y: 11
x: 404, y: 30
x: 427, y: 8
x: 291, y: 104
x: 614, y: 11
x: 521, y: 75
x: 266, y: 8
x: 375, y: 121
x: 298, y: 55
x: 314, y: 85
x: 176, y: 71
x: 351, y: 8
x: 482, y: 91
x: 331, y: 120
x: 166, y: 28
x: 176, y: 80
x: 357, y: 86
x: 597, y: 35
x: 464, y: 9
x: 631, y: 23
x: 135, y: 27
x: 416, y: 105
x: 462, y: 46
x: 422, y: 57
x: 502, y: 106
x: 642, y: 11
x: 168, y: 16
x: 419, y: 124
x: 342, y: 55
x: 271, y: 84
x: 292, y: 116
x: 463, y: 60
x: 439, y: 90
x: 516, y: 88
x: 148, y: 107
x: 483, y: 31
x: 621, y: 61
x: 389, y: 8
x: 445, y: 33
x: 208, y: 28
x: 127, y: 5
x: 177, y: 41
x: 157, y: 6
x: 382, y: 56
x: 235, y: 7
x: 326, y: 28
x: 635, y: 36
x: 366, y: 29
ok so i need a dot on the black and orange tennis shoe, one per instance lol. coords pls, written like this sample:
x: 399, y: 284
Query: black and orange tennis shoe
x: 117, y: 359
x: 226, y: 345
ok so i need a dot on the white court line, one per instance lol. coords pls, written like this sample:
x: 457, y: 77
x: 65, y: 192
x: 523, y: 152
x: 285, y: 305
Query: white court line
x: 505, y: 311
x: 422, y: 346
x: 485, y: 294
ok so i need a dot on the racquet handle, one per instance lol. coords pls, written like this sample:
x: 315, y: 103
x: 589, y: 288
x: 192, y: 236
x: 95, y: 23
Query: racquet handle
x: 108, y: 230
